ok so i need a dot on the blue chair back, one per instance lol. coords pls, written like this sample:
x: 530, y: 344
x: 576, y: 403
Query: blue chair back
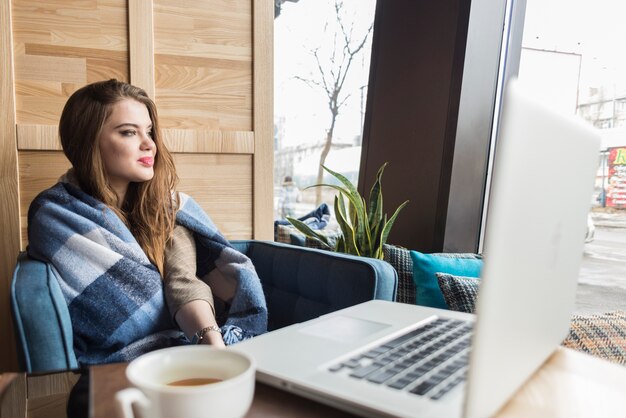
x: 41, y: 320
x: 303, y: 283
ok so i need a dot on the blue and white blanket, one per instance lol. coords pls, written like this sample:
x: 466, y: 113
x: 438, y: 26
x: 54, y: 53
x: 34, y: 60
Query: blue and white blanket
x: 114, y: 293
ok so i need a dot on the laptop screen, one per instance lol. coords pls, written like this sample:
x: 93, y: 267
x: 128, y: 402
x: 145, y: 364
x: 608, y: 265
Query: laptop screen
x: 544, y: 173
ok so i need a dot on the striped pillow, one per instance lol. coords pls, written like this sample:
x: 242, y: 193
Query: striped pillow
x: 601, y: 335
x: 459, y: 292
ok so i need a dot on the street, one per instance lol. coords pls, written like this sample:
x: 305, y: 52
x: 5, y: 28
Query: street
x: 602, y: 280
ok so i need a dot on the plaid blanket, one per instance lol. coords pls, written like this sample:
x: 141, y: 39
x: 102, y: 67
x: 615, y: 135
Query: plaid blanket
x: 114, y: 293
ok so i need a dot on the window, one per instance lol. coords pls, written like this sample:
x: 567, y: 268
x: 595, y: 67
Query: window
x: 322, y: 54
x: 573, y: 58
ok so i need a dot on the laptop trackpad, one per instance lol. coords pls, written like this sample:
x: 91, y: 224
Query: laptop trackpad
x: 343, y: 328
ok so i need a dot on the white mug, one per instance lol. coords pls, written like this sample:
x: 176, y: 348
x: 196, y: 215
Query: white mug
x: 154, y: 396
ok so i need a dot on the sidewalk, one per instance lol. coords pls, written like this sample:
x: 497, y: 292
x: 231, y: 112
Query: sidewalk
x: 602, y: 279
x: 609, y: 217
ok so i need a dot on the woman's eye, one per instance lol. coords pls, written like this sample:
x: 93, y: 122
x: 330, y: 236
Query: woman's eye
x: 150, y: 134
x: 129, y: 132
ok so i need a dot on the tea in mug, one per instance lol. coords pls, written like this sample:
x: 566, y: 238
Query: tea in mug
x: 196, y: 381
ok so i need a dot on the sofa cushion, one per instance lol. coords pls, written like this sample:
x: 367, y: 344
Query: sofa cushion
x: 400, y: 260
x: 601, y: 335
x: 427, y: 292
x: 459, y: 292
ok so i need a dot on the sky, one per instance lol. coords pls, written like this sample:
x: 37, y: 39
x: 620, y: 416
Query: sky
x: 299, y: 29
x: 590, y: 33
x: 595, y: 29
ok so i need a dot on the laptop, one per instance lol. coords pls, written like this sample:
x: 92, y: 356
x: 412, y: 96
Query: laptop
x: 359, y: 359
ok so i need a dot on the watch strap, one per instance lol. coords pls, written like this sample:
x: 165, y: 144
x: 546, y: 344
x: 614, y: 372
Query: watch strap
x: 199, y: 336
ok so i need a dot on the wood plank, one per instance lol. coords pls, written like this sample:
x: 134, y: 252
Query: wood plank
x: 141, y: 45
x: 6, y: 379
x: 203, y: 141
x: 220, y: 29
x: 38, y: 137
x: 203, y: 64
x: 60, y: 46
x: 196, y: 82
x: 51, y: 406
x: 228, y: 64
x: 74, y: 52
x: 95, y: 23
x: 36, y: 110
x: 65, y: 70
x: 9, y: 204
x: 104, y: 69
x: 38, y: 170
x: 14, y: 401
x: 263, y: 36
x: 47, y: 394
x: 222, y: 185
x: 104, y: 381
x: 177, y: 112
x: 50, y: 384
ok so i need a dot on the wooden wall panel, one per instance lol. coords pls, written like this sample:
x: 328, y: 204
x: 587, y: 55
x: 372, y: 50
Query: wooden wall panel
x: 9, y: 209
x: 38, y: 137
x: 203, y: 63
x: 141, y: 43
x: 263, y: 76
x: 222, y: 185
x: 60, y: 46
x: 38, y: 170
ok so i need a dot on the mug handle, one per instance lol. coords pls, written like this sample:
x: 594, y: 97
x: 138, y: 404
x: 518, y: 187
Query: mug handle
x: 125, y: 399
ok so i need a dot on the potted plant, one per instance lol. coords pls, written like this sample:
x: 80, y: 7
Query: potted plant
x: 364, y: 226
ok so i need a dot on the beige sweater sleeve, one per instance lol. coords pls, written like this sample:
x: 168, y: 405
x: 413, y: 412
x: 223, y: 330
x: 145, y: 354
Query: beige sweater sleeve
x: 180, y: 282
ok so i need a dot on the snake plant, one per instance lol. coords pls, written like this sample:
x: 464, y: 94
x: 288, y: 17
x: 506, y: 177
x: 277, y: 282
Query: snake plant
x: 364, y: 227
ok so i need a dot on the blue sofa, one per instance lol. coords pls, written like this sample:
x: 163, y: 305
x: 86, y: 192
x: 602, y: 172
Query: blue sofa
x: 299, y: 284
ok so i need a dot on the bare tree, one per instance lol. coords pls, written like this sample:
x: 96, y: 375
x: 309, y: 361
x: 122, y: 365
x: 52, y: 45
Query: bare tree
x: 331, y: 77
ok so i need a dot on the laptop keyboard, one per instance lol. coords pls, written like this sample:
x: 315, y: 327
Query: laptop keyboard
x: 428, y: 361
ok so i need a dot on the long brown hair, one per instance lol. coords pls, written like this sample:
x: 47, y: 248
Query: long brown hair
x: 148, y: 209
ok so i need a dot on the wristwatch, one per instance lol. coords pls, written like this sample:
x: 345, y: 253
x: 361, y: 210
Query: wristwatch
x: 199, y: 336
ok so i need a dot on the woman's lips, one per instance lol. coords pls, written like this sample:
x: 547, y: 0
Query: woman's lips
x: 148, y: 161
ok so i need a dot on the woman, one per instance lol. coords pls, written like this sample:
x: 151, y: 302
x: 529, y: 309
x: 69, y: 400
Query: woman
x: 124, y: 242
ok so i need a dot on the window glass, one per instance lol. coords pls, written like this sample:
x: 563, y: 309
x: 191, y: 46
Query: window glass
x: 321, y: 64
x: 574, y: 60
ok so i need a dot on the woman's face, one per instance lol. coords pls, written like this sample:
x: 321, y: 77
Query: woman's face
x: 126, y: 145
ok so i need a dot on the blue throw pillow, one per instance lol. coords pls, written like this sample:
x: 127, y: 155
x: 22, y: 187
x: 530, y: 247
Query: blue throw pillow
x: 427, y: 291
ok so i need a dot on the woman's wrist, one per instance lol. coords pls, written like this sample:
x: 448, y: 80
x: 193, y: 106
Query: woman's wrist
x: 203, y: 333
x: 213, y: 338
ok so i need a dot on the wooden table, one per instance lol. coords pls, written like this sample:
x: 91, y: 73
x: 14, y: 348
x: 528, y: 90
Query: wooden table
x: 570, y: 384
x: 5, y: 381
x: 268, y: 402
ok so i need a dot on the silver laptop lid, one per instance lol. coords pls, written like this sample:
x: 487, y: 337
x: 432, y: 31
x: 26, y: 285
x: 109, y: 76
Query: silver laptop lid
x: 541, y: 192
